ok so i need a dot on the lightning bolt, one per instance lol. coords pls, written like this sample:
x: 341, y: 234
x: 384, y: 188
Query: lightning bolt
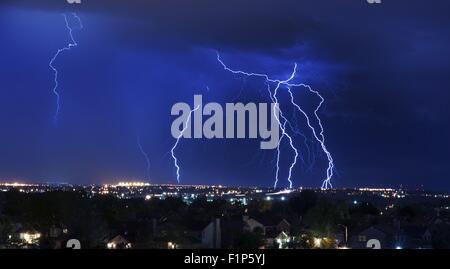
x: 144, y: 153
x: 186, y: 126
x: 72, y: 43
x: 320, y: 137
x: 283, y: 121
x: 274, y: 99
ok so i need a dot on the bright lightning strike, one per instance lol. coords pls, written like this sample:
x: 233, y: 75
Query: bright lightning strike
x: 186, y: 126
x: 320, y: 138
x: 144, y: 153
x: 283, y: 121
x: 274, y: 99
x: 72, y: 43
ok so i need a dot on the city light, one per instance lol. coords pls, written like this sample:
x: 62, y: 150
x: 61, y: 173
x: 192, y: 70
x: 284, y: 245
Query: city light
x: 30, y: 237
x: 132, y: 184
x: 15, y: 184
x: 317, y: 242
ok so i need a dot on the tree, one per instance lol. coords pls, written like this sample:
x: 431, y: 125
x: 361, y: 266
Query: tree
x: 6, y: 229
x: 324, y: 217
x: 249, y: 240
x: 365, y: 208
x: 440, y: 236
x: 302, y: 202
x: 410, y: 213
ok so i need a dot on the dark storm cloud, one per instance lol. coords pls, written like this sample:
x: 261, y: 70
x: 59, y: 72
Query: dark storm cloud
x: 394, y: 88
x: 237, y: 23
x: 350, y: 32
x: 263, y: 24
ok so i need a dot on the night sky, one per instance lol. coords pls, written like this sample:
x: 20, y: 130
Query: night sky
x: 383, y: 70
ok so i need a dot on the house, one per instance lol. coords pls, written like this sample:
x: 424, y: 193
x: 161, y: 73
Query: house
x: 268, y: 225
x: 252, y: 225
x: 284, y: 226
x: 360, y: 239
x: 212, y: 235
x: 276, y: 226
x: 414, y: 237
x: 279, y: 240
x: 57, y: 231
x: 224, y: 233
x: 30, y: 236
x: 118, y: 242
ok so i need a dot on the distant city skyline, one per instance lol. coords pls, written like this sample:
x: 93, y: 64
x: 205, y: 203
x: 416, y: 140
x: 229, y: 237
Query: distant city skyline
x: 143, y: 183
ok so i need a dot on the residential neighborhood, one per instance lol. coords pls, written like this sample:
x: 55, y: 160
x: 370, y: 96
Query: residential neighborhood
x: 305, y: 219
